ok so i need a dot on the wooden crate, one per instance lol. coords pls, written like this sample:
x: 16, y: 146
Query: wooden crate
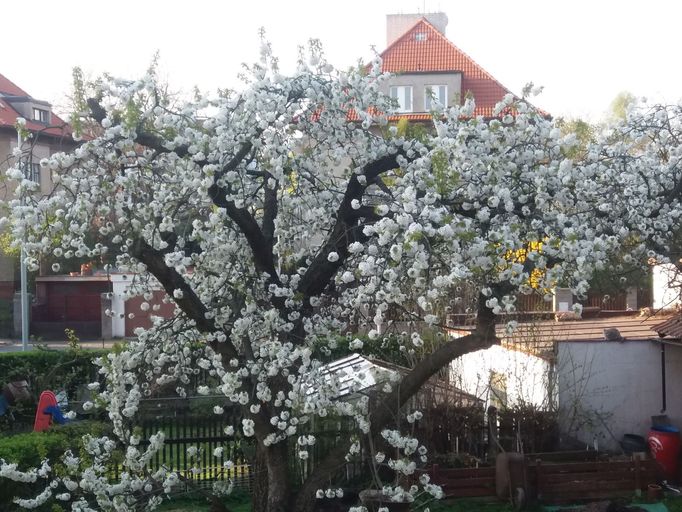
x: 464, y: 482
x: 560, y: 482
x: 552, y: 478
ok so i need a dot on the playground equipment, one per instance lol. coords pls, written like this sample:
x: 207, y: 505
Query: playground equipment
x: 48, y: 411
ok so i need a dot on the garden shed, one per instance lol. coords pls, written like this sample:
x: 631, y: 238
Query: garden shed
x: 614, y: 374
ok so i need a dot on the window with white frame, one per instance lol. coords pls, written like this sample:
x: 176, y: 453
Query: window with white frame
x: 433, y: 94
x: 403, y: 95
x: 33, y: 172
x: 41, y: 115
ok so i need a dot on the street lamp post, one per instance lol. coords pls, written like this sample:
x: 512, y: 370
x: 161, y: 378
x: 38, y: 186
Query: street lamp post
x: 22, y: 268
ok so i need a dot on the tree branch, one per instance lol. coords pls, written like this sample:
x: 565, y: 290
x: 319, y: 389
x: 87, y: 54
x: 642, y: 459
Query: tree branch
x: 260, y: 246
x: 321, y: 271
x: 381, y: 414
x: 190, y: 303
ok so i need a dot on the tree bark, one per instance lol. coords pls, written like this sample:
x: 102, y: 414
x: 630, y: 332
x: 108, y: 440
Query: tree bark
x: 259, y: 490
x: 271, y: 491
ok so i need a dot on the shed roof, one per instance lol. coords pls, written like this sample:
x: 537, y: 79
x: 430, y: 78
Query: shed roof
x: 632, y: 327
x: 671, y: 327
x: 538, y: 337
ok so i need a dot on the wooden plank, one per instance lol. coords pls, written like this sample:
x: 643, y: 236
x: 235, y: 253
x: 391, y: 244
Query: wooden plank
x: 467, y: 482
x: 567, y: 456
x: 471, y: 492
x: 587, y: 486
x: 548, y: 468
x: 590, y: 476
x: 463, y: 472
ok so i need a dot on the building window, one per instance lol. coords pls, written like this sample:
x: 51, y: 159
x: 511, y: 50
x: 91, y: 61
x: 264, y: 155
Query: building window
x: 41, y: 115
x: 420, y: 36
x: 33, y: 173
x: 403, y: 95
x: 435, y: 94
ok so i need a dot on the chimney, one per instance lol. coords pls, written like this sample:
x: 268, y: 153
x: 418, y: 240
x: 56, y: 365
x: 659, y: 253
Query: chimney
x: 398, y: 24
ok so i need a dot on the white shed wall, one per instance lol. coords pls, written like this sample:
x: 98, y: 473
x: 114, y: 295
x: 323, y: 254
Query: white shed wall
x: 616, y: 385
x: 527, y: 376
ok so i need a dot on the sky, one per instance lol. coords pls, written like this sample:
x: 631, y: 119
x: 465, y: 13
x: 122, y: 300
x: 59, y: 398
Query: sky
x: 582, y: 52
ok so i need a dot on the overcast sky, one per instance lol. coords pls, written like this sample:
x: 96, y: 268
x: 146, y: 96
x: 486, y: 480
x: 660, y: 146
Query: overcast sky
x: 583, y: 52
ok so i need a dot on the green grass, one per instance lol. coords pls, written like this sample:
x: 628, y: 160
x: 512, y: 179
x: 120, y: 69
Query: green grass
x: 673, y: 504
x: 239, y: 501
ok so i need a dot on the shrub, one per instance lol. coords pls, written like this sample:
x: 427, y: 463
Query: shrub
x: 30, y: 449
x: 50, y: 369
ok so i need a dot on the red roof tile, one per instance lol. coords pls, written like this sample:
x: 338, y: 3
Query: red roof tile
x: 431, y: 51
x: 671, y: 327
x: 8, y: 115
x: 9, y: 87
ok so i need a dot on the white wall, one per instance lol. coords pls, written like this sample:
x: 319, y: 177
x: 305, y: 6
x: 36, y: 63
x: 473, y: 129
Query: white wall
x: 120, y: 284
x: 619, y: 382
x: 527, y: 376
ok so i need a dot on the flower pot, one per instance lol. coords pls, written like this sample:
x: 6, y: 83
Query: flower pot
x: 374, y: 499
x: 654, y: 493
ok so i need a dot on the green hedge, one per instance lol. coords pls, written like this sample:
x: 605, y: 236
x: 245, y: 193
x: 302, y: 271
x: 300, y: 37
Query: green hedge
x: 29, y: 450
x: 50, y: 369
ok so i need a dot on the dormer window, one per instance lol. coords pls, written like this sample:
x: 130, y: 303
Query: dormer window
x: 403, y: 95
x: 41, y: 115
x: 420, y: 36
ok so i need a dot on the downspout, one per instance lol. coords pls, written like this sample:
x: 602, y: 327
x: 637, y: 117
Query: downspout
x: 663, y: 389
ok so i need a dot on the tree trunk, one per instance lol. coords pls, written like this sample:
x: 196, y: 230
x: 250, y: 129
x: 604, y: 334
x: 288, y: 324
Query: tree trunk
x: 271, y: 487
x: 259, y: 491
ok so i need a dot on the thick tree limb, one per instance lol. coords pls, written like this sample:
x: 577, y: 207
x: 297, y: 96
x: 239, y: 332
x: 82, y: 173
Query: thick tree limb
x: 321, y: 271
x: 383, y: 406
x: 190, y: 303
x: 270, y: 209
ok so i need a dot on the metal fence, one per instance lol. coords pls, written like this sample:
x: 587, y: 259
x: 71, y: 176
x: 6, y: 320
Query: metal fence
x: 197, y: 448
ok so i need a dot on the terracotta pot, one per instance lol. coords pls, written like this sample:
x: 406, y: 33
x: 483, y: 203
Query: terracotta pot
x: 654, y: 493
x: 374, y: 499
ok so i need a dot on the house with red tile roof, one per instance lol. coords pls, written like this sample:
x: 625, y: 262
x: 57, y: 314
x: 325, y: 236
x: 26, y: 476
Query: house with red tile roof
x: 427, y: 67
x: 48, y: 134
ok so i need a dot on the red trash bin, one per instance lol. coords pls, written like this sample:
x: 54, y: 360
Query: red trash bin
x: 664, y: 443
